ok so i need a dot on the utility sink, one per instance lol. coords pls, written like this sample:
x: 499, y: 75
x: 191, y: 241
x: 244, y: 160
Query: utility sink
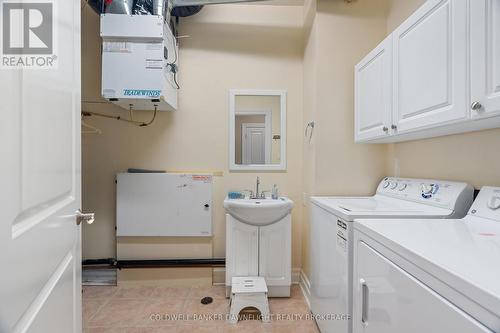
x: 259, y: 212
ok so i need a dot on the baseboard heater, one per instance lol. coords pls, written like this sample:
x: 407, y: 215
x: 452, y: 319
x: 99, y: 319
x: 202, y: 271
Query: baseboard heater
x: 154, y: 263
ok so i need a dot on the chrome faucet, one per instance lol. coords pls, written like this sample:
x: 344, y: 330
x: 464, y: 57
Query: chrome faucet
x: 257, y: 185
x: 262, y: 194
x: 257, y: 194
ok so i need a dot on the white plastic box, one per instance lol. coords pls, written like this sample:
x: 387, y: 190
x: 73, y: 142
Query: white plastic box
x: 139, y: 53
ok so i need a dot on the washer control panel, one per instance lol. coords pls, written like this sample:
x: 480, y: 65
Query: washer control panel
x: 438, y: 193
x: 429, y: 190
x: 487, y: 204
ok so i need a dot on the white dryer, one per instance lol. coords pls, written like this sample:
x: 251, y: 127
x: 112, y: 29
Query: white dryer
x: 332, y: 235
x: 420, y: 275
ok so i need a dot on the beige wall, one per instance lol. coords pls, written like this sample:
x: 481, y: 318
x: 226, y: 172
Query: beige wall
x: 230, y: 47
x: 338, y: 36
x: 471, y: 157
x: 309, y: 109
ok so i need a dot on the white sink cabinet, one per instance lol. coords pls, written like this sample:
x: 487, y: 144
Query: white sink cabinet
x: 260, y: 250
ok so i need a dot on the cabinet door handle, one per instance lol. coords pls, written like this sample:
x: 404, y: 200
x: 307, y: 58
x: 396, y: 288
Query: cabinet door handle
x: 476, y: 106
x: 385, y: 128
x: 364, y: 301
x: 394, y: 127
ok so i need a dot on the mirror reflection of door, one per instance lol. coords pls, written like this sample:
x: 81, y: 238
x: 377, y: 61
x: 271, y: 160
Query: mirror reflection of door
x: 255, y: 147
x: 253, y: 137
x: 257, y: 126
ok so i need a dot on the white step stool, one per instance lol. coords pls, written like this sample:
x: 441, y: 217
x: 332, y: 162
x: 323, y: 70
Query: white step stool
x: 248, y: 291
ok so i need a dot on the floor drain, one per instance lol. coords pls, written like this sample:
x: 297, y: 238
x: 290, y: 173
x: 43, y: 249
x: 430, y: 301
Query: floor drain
x: 207, y: 300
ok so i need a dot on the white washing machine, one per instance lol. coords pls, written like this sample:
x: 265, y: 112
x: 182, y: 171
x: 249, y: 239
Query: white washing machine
x: 332, y: 235
x: 419, y: 275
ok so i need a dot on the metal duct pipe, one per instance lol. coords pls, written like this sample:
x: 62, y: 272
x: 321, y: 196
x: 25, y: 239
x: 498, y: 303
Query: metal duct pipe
x: 120, y: 7
x: 185, y: 3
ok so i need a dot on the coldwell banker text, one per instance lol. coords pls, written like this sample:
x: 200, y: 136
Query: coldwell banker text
x: 28, y: 34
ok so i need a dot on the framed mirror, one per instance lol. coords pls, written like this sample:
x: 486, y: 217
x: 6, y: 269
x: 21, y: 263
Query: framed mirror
x: 257, y: 130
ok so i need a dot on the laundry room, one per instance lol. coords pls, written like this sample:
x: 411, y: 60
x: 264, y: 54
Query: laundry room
x: 316, y: 166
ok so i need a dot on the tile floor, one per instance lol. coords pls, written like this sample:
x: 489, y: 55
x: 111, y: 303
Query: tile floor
x: 152, y: 309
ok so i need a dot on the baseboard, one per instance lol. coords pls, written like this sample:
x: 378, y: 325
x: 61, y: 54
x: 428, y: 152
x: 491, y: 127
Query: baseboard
x: 219, y: 276
x: 175, y: 276
x: 305, y: 286
x: 296, y: 275
x: 99, y: 276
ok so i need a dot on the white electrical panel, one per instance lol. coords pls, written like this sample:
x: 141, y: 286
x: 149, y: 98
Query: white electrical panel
x: 163, y: 204
x: 139, y: 61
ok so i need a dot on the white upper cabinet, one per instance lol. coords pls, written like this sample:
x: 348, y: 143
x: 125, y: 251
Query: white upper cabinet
x: 430, y: 66
x: 485, y: 58
x: 373, y: 93
x: 445, y: 65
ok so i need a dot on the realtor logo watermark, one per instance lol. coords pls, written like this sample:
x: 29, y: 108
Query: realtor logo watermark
x: 28, y: 34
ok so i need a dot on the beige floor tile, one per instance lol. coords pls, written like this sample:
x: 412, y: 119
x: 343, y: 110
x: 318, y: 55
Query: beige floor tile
x: 118, y: 313
x: 207, y: 291
x: 91, y: 306
x: 171, y: 292
x: 134, y: 291
x: 104, y: 330
x: 161, y: 312
x: 288, y: 306
x: 196, y: 328
x: 163, y: 329
x: 219, y: 306
x: 302, y: 327
x: 296, y: 292
x: 247, y: 326
x: 128, y: 309
x: 99, y: 292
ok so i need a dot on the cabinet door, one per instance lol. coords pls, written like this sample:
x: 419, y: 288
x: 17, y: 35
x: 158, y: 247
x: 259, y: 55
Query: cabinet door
x: 275, y: 252
x: 242, y: 241
x: 485, y: 57
x: 389, y: 300
x: 430, y: 67
x: 373, y: 93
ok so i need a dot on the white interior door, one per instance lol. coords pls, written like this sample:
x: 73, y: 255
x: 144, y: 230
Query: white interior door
x: 373, y: 93
x: 485, y: 57
x: 40, y: 283
x: 430, y: 66
x: 256, y: 149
